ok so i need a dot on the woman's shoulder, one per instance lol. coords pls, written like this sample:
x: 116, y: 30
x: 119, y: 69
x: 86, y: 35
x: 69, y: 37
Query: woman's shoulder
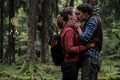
x: 67, y: 29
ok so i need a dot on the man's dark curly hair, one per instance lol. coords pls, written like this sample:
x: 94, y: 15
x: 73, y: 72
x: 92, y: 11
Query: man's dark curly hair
x: 85, y: 7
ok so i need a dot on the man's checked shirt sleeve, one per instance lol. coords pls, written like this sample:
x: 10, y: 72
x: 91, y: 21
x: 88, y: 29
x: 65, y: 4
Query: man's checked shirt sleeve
x: 91, y: 27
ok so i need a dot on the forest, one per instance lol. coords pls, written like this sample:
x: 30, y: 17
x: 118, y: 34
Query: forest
x: 25, y: 29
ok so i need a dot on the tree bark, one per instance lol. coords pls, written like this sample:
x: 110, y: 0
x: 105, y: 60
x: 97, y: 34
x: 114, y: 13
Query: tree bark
x: 29, y: 63
x: 12, y: 42
x: 1, y: 32
x: 10, y: 52
x: 45, y: 31
x: 57, y: 9
x: 72, y: 3
x: 39, y: 27
x: 86, y: 1
x: 32, y: 30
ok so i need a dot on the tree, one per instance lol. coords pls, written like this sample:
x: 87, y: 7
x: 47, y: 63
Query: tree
x: 29, y: 63
x: 10, y: 52
x: 12, y: 30
x: 32, y: 30
x: 86, y: 1
x: 1, y: 32
x: 45, y: 31
x: 110, y: 19
x: 72, y: 3
x: 57, y: 9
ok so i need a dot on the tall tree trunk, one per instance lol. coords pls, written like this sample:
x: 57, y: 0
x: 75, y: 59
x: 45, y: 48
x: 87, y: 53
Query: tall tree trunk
x: 45, y: 22
x: 39, y: 27
x: 29, y: 64
x: 57, y: 9
x: 72, y: 3
x: 10, y: 52
x: 12, y: 27
x: 66, y: 5
x: 32, y: 30
x: 1, y: 32
x: 86, y: 1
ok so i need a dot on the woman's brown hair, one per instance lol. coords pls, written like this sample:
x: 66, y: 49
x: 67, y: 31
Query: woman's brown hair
x: 63, y: 17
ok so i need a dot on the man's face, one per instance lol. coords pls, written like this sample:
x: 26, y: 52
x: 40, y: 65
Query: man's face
x: 81, y: 16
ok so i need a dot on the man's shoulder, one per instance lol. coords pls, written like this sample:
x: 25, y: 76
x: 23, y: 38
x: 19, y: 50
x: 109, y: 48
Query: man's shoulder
x: 93, y: 18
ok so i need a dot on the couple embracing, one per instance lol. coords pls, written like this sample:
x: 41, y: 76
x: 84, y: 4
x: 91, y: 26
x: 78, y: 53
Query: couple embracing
x: 81, y: 44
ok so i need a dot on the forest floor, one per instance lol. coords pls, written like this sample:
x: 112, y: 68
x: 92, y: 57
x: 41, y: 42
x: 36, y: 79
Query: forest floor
x: 48, y: 71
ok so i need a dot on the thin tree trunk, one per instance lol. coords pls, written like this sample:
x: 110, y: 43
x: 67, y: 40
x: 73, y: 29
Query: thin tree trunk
x: 10, y: 52
x: 72, y: 3
x: 45, y: 22
x: 1, y: 32
x: 66, y: 5
x: 29, y: 64
x: 12, y: 14
x: 57, y: 9
x: 86, y: 1
x: 39, y: 27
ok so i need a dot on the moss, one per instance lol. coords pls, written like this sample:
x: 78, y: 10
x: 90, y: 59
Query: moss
x: 18, y: 67
x: 116, y: 77
x: 24, y: 67
x: 29, y: 66
x: 5, y: 74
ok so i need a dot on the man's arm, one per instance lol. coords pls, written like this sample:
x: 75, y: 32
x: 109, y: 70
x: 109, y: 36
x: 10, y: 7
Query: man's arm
x: 91, y: 27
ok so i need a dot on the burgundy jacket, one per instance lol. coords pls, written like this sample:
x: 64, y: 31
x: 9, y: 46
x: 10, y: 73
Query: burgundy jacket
x: 69, y: 41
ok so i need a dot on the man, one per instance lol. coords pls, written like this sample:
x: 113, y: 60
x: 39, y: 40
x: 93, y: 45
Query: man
x: 91, y: 32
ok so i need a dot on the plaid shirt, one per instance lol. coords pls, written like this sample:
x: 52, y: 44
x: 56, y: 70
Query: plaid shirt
x: 91, y: 27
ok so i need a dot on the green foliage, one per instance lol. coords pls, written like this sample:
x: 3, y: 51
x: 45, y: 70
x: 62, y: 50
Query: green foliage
x: 24, y: 67
x: 23, y: 21
x: 22, y: 28
x: 111, y: 23
x: 49, y: 71
x: 111, y: 39
x: 21, y: 42
x: 76, y: 3
x: 109, y: 12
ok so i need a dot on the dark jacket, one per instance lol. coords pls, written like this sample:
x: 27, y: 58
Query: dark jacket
x: 97, y: 37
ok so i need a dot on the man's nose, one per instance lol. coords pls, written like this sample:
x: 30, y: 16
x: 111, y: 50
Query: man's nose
x: 77, y: 18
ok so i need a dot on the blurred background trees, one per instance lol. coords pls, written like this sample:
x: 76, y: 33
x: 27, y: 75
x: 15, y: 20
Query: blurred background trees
x: 109, y: 13
x: 25, y: 44
x: 14, y: 38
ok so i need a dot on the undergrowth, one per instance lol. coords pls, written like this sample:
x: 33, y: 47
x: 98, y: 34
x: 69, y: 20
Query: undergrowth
x: 48, y: 71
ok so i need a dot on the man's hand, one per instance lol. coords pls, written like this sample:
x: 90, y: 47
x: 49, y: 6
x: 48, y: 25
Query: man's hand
x: 76, y: 25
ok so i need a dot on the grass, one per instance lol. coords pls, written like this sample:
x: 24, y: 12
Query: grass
x: 48, y: 71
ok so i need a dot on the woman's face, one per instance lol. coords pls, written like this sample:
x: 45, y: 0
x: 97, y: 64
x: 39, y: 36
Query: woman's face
x: 74, y: 15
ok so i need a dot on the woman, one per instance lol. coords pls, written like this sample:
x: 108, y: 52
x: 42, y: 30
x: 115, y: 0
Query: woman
x: 69, y: 40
